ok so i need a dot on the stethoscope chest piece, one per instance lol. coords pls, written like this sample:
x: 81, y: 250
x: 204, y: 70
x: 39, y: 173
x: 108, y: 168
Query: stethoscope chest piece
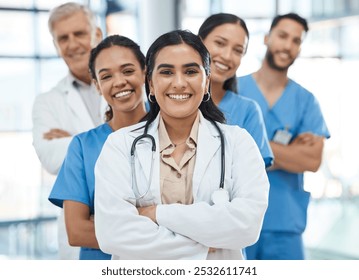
x: 220, y: 196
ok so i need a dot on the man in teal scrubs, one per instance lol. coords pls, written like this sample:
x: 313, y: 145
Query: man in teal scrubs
x: 296, y: 129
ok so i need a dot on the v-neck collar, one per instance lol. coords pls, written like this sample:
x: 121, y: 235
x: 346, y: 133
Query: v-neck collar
x: 280, y: 98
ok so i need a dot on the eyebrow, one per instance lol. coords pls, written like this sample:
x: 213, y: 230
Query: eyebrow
x: 122, y: 66
x: 221, y: 37
x: 191, y: 64
x: 281, y: 31
x: 224, y: 39
x: 63, y: 36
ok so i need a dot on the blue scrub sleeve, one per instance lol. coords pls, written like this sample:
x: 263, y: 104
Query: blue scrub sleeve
x: 71, y: 181
x: 313, y: 119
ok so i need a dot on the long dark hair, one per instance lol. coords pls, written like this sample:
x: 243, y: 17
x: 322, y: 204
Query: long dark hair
x: 211, y: 23
x: 115, y: 40
x: 177, y: 37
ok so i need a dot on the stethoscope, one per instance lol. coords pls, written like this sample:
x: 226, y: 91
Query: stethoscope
x: 219, y: 196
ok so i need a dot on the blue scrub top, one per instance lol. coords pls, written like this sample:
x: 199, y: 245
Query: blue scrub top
x: 76, y: 179
x: 298, y: 111
x: 245, y: 113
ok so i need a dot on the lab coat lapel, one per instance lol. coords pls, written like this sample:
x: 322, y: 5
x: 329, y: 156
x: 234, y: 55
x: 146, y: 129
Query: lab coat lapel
x: 82, y: 120
x: 208, y: 144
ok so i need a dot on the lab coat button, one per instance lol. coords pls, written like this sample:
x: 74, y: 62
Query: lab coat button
x: 179, y: 175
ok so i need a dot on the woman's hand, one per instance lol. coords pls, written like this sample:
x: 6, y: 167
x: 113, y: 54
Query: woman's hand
x: 148, y: 211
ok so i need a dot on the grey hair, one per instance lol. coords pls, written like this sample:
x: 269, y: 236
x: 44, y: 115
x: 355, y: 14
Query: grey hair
x: 68, y: 9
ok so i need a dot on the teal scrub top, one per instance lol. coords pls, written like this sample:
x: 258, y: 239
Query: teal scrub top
x: 245, y: 113
x: 297, y: 111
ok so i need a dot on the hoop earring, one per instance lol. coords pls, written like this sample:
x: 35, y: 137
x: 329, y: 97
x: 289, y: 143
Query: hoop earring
x: 151, y: 98
x: 206, y: 97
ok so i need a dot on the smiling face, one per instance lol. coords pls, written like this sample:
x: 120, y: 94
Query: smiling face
x: 227, y: 44
x: 283, y: 44
x: 178, y: 82
x: 74, y: 38
x: 119, y: 78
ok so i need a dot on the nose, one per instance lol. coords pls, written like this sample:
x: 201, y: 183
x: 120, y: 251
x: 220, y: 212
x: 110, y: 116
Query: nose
x: 119, y: 81
x: 226, y: 53
x: 72, y: 42
x: 179, y: 81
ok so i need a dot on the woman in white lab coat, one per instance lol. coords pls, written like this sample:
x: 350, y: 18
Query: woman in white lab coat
x: 171, y: 204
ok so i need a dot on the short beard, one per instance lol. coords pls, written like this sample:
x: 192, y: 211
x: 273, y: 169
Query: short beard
x: 270, y: 59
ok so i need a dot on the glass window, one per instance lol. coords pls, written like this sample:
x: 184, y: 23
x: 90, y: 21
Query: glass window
x: 256, y: 8
x: 45, y: 43
x: 20, y: 177
x: 123, y: 23
x: 303, y: 7
x: 46, y: 4
x: 17, y: 79
x: 51, y: 71
x: 350, y: 40
x: 198, y: 8
x: 192, y: 23
x: 16, y: 4
x: 20, y: 85
x: 321, y: 41
x: 354, y: 5
x: 194, y: 13
x: 20, y: 40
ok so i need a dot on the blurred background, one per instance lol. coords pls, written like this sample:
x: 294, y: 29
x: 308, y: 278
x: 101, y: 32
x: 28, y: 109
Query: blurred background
x: 328, y: 66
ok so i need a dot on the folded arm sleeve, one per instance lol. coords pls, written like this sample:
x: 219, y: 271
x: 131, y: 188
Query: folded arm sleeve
x: 51, y: 153
x: 233, y: 225
x: 120, y: 230
x: 313, y: 120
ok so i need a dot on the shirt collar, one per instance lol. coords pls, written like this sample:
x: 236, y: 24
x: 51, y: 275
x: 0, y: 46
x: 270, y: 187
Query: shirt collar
x: 165, y: 141
x: 76, y: 82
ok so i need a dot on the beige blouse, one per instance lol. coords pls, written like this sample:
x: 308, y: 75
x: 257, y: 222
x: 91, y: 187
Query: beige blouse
x: 176, y: 179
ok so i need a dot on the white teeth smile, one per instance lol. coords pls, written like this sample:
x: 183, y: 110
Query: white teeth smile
x: 283, y: 55
x: 123, y: 93
x: 221, y: 66
x: 76, y: 55
x: 179, y: 96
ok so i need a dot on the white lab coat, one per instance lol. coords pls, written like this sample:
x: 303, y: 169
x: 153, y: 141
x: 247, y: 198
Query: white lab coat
x: 183, y: 231
x: 61, y: 107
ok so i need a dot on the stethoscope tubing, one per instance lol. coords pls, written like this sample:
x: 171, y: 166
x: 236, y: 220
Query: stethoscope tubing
x: 138, y: 195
